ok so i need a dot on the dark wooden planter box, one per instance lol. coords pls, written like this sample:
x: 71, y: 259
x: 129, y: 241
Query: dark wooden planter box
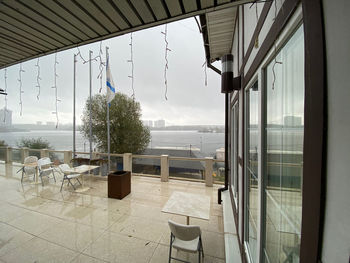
x: 119, y: 184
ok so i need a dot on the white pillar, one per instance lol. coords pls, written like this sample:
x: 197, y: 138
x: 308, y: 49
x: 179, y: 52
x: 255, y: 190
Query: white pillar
x: 8, y: 155
x: 44, y: 153
x: 164, y: 168
x: 67, y: 157
x: 127, y: 162
x: 209, y: 171
x: 24, y: 153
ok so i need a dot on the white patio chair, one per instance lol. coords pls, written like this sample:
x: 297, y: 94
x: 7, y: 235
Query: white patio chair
x: 29, y: 170
x: 45, y: 169
x: 187, y: 238
x: 68, y: 174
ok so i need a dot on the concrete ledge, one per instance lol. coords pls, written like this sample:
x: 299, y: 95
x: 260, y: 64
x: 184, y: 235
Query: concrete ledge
x: 232, y: 253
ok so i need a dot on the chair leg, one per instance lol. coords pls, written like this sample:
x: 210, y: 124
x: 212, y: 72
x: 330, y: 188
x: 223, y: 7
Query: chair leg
x: 69, y: 181
x: 171, y: 246
x: 53, y: 173
x: 200, y: 240
x: 22, y: 176
x: 79, y: 181
x: 62, y: 183
x: 41, y: 178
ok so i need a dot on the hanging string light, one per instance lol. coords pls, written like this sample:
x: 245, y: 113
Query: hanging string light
x: 165, y: 33
x: 38, y: 78
x: 20, y: 87
x: 131, y: 60
x: 101, y: 65
x: 205, y: 73
x: 56, y: 90
x: 275, y: 52
x: 5, y: 91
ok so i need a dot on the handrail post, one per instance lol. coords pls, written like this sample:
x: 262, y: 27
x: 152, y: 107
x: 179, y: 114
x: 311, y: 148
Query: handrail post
x: 8, y: 155
x: 164, y: 168
x: 24, y: 153
x: 44, y: 153
x: 209, y: 171
x: 67, y: 157
x: 127, y: 162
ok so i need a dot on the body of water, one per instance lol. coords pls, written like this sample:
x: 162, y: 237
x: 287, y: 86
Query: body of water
x: 63, y: 140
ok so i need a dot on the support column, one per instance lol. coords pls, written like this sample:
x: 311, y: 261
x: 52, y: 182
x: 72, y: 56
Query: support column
x: 44, y: 153
x: 209, y: 171
x: 24, y: 153
x: 67, y: 157
x: 164, y: 168
x: 127, y: 162
x: 8, y: 155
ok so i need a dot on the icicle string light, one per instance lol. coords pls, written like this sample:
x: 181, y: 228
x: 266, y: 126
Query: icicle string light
x: 20, y: 87
x: 205, y: 73
x: 101, y: 65
x: 275, y: 52
x: 56, y: 90
x: 5, y: 78
x: 165, y: 33
x: 131, y: 60
x: 38, y: 78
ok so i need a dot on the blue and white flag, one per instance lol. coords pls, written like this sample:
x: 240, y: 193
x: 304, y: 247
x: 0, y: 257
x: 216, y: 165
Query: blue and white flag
x: 110, y: 84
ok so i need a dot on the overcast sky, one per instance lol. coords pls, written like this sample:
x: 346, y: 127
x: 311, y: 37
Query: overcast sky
x: 189, y: 100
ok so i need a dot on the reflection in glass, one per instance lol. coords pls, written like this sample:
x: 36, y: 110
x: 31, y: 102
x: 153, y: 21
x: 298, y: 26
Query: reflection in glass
x: 234, y: 149
x: 251, y: 169
x: 284, y: 131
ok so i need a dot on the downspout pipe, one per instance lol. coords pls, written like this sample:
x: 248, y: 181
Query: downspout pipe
x: 220, y: 190
x: 226, y: 87
x: 226, y: 137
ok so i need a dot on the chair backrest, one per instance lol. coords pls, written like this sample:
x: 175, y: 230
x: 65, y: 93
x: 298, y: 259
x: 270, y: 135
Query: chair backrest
x: 31, y: 159
x: 44, y: 161
x: 64, y: 167
x: 184, y: 232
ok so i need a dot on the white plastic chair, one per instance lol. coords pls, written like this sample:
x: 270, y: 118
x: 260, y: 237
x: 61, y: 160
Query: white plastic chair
x: 68, y: 174
x: 45, y: 169
x: 187, y: 238
x: 29, y: 170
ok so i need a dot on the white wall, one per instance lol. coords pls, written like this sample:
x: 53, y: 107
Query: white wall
x: 336, y: 239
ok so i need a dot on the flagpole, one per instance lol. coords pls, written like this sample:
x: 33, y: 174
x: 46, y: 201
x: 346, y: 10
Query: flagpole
x: 90, y: 105
x: 74, y: 84
x: 108, y: 135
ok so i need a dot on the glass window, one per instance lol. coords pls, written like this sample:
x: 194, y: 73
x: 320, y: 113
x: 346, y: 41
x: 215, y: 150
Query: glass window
x: 284, y: 136
x: 234, y: 150
x: 251, y: 169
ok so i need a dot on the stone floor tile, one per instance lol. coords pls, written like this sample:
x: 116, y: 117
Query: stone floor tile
x: 114, y: 247
x: 39, y: 250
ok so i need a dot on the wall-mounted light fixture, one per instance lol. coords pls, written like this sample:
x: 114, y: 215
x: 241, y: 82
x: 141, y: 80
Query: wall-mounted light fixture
x: 228, y: 82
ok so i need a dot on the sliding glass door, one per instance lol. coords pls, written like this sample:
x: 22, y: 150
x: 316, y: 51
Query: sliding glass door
x: 284, y: 136
x: 234, y: 150
x: 251, y: 169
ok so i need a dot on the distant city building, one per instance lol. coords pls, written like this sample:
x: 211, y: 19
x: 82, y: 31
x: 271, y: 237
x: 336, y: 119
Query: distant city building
x: 39, y: 123
x: 50, y: 123
x: 148, y: 123
x: 159, y: 124
x: 5, y: 117
x: 292, y: 121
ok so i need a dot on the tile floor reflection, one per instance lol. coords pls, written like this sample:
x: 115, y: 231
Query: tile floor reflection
x: 42, y: 224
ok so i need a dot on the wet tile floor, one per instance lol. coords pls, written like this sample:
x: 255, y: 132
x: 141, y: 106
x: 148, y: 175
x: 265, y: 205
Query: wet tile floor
x: 42, y: 224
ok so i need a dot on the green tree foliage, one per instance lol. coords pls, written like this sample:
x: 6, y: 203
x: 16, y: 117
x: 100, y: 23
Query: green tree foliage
x: 2, y: 143
x: 33, y: 143
x: 127, y: 132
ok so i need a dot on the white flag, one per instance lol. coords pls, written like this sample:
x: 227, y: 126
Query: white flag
x: 110, y: 84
